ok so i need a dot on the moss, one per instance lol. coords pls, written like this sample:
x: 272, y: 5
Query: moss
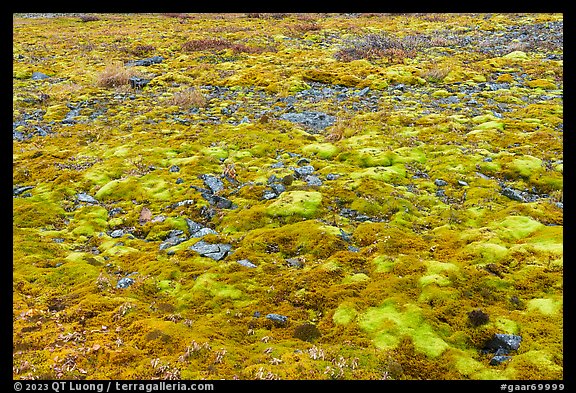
x: 516, y: 227
x: 344, y: 314
x: 399, y: 305
x: 545, y: 306
x: 526, y: 165
x: 358, y: 277
x: 301, y: 203
x: 541, y: 84
x: 386, y: 325
x: 325, y: 151
x: 490, y: 125
x: 516, y: 55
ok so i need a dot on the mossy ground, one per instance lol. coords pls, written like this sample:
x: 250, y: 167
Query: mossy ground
x: 385, y: 262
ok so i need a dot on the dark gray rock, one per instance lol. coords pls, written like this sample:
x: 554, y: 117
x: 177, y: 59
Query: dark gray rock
x: 498, y: 359
x: 247, y: 263
x: 174, y: 238
x: 332, y: 176
x: 353, y: 249
x: 363, y: 92
x: 440, y: 183
x: 313, y: 120
x: 213, y: 183
x: 83, y: 197
x: 117, y: 233
x: 203, y: 232
x: 278, y: 188
x: 278, y: 164
x: 174, y: 168
x: 508, y: 342
x: 295, y: 262
x: 39, y: 76
x: 124, y: 283
x: 281, y: 319
x: 304, y: 170
x: 215, y: 251
x: 303, y: 161
x: 218, y: 201
x: 181, y: 203
x: 312, y: 180
x: 146, y: 62
x: 517, y: 195
x: 269, y: 194
x: 138, y: 83
x: 19, y: 190
x: 179, y: 180
x: 193, y: 226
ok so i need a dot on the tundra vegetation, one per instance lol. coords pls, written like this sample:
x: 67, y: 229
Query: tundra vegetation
x: 287, y: 196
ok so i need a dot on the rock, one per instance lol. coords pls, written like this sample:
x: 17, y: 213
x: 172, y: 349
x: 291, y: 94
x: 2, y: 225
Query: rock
x: 179, y: 180
x: 193, y: 226
x: 312, y: 180
x: 203, y: 232
x: 19, y: 190
x: 117, y: 233
x: 278, y: 164
x: 181, y: 203
x: 506, y: 342
x: 269, y: 194
x: 287, y: 180
x: 247, y: 263
x: 115, y: 211
x: 83, y: 197
x: 440, y: 183
x: 277, y: 188
x: 314, y: 120
x: 304, y: 170
x: 295, y: 262
x: 498, y: 359
x: 218, y: 201
x: 332, y: 176
x: 462, y: 183
x: 214, y: 251
x: 145, y: 62
x: 281, y: 319
x: 39, y: 76
x: 513, y: 194
x: 302, y: 161
x: 58, y: 240
x: 363, y: 92
x: 145, y: 216
x: 174, y: 238
x: 353, y: 249
x: 138, y: 83
x: 124, y: 283
x: 174, y: 168
x: 213, y: 183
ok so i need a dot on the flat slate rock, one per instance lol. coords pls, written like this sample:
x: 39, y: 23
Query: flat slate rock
x: 215, y: 251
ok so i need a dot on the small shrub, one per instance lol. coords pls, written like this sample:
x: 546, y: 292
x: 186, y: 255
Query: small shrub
x: 221, y: 44
x: 88, y: 18
x: 435, y: 75
x: 307, y: 332
x: 114, y: 75
x: 142, y: 50
x: 478, y: 317
x: 190, y: 98
x: 301, y: 28
x: 373, y: 46
x: 206, y: 44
